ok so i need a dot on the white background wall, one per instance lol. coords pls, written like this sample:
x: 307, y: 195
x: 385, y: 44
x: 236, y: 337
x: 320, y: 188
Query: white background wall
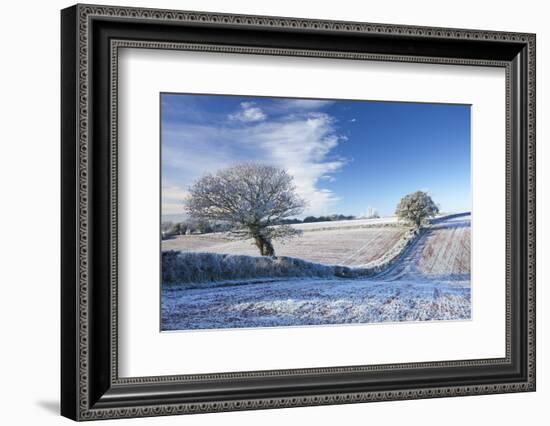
x: 29, y: 225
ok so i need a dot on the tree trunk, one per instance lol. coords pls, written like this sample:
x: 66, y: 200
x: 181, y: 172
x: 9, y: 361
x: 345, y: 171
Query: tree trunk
x: 268, y: 248
x: 264, y: 245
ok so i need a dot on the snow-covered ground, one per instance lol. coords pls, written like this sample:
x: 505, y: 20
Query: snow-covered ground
x: 335, y: 246
x: 355, y: 223
x: 314, y: 301
x: 430, y: 281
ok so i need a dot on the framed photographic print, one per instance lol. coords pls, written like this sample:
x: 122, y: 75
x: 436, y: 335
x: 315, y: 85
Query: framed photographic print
x: 263, y: 212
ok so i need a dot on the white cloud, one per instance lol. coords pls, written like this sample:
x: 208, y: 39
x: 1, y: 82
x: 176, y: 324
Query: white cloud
x: 302, y: 147
x: 174, y: 193
x: 301, y: 105
x: 301, y: 144
x: 248, y: 113
x: 172, y: 199
x: 172, y: 209
x: 353, y: 120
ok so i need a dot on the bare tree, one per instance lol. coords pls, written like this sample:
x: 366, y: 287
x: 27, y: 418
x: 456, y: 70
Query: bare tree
x: 252, y: 198
x: 416, y: 208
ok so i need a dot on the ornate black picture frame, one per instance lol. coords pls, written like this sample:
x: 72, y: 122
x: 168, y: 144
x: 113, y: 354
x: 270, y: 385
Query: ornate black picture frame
x: 91, y: 36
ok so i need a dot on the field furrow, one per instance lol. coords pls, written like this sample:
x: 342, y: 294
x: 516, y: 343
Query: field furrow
x: 334, y: 246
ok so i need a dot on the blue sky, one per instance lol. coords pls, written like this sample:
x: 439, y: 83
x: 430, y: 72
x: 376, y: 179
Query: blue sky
x: 345, y: 156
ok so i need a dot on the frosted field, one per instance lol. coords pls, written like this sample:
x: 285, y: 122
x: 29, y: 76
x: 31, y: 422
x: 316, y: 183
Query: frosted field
x: 348, y: 243
x: 430, y: 281
x: 346, y: 223
x: 314, y: 302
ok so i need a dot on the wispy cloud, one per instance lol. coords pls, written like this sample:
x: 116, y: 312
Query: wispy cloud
x: 303, y: 147
x: 249, y: 112
x: 172, y: 199
x: 302, y: 105
x: 302, y: 144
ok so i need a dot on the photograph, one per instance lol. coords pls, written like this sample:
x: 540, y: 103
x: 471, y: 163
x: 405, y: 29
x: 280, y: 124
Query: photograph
x: 279, y: 212
x: 267, y: 209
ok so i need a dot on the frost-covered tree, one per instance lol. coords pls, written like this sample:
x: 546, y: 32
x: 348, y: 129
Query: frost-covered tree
x: 252, y: 198
x: 416, y: 208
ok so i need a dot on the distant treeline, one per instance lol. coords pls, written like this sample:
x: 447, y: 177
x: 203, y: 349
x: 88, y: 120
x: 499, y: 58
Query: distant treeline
x: 188, y: 227
x: 312, y: 219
